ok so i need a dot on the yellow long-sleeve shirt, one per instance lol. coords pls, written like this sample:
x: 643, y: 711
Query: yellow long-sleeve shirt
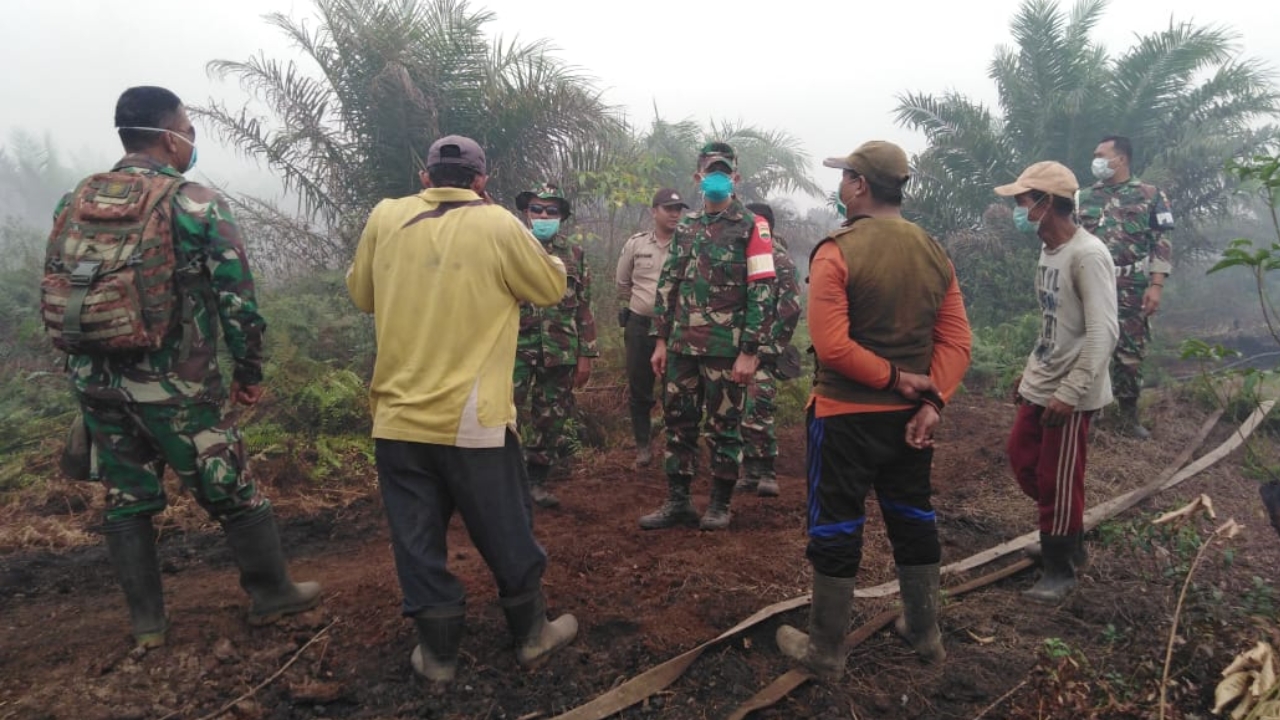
x: 443, y: 273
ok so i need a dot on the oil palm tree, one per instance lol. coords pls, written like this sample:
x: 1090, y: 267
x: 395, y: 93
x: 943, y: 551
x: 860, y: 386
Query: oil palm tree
x: 393, y: 75
x: 1183, y: 95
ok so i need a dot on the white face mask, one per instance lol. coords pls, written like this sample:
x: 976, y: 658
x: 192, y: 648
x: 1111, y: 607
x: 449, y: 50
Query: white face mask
x: 194, y: 152
x: 1102, y: 169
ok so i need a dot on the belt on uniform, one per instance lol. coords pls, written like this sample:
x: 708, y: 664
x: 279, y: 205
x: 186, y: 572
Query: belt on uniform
x: 1134, y: 269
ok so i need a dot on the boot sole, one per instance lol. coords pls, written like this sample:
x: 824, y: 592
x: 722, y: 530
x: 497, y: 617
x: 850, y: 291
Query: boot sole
x: 275, y: 616
x: 693, y: 522
x: 1045, y: 598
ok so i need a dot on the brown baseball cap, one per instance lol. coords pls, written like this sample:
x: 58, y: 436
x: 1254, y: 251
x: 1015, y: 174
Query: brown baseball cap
x: 667, y: 196
x: 457, y: 150
x: 880, y: 162
x: 1046, y: 176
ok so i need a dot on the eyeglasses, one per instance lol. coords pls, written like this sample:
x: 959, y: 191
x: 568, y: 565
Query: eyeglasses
x: 548, y: 210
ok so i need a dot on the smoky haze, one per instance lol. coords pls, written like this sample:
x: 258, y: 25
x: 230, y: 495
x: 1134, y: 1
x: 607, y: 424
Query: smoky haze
x: 827, y: 73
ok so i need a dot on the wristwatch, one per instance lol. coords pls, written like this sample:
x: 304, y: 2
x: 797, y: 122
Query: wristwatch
x: 746, y: 347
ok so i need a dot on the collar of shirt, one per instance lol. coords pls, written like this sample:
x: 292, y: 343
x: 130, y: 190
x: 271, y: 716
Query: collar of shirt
x: 142, y: 161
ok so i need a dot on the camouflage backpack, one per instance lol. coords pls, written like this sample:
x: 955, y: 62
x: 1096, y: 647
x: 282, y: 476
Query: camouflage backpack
x: 109, y: 283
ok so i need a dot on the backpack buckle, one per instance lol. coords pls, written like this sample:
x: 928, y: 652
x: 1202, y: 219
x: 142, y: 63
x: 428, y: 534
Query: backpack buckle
x: 85, y: 272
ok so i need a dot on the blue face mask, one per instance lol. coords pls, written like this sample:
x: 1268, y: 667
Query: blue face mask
x: 545, y: 229
x: 1022, y: 220
x: 841, y: 209
x: 716, y: 187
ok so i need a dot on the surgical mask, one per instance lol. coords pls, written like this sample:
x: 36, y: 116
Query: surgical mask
x: 1022, y: 221
x: 841, y: 209
x: 1102, y: 169
x: 544, y: 229
x: 195, y: 151
x: 716, y: 186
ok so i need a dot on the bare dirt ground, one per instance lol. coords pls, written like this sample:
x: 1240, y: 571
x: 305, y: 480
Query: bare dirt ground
x: 643, y: 597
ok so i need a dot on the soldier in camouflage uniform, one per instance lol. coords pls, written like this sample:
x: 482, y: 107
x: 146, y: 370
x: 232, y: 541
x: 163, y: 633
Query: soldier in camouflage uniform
x: 148, y: 410
x: 710, y: 320
x: 778, y: 361
x: 556, y: 344
x: 1132, y: 218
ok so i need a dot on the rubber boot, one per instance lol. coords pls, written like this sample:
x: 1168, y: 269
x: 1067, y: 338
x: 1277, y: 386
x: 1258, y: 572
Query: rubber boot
x: 1130, y: 423
x: 131, y: 544
x: 677, y: 510
x: 1058, y: 577
x: 1079, y: 557
x: 717, y: 516
x: 542, y: 497
x: 918, y: 623
x: 822, y: 651
x: 439, y: 636
x: 536, y: 637
x: 255, y: 542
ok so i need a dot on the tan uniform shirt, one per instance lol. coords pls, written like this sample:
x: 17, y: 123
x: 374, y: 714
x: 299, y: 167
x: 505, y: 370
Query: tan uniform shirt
x: 638, y: 270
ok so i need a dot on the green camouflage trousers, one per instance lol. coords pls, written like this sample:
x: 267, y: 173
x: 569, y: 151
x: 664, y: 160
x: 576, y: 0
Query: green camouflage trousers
x: 545, y: 424
x: 134, y: 442
x: 1131, y: 348
x: 692, y: 382
x: 759, y: 441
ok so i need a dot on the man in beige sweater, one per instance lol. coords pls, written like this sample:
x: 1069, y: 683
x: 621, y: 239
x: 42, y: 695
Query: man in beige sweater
x: 1066, y: 378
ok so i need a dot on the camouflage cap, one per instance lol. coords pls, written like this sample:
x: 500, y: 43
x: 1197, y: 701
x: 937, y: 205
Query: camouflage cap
x: 880, y: 162
x: 548, y: 191
x: 457, y: 150
x: 714, y: 152
x: 1046, y: 176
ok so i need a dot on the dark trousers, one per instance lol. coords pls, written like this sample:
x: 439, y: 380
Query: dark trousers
x: 640, y: 377
x: 849, y: 455
x: 423, y: 484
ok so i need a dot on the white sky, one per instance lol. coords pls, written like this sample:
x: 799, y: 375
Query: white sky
x: 827, y: 72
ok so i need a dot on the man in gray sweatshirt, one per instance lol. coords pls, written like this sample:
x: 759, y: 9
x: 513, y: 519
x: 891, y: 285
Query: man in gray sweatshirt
x: 1066, y: 378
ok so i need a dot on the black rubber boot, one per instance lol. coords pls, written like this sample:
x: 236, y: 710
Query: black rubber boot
x: 677, y: 510
x: 1079, y: 557
x: 131, y: 543
x: 1058, y: 576
x: 255, y: 542
x: 542, y: 497
x: 439, y: 637
x: 918, y: 623
x: 536, y: 637
x: 822, y: 649
x: 718, y: 516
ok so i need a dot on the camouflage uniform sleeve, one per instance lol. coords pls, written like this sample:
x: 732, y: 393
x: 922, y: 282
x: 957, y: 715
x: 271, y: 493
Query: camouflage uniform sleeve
x: 761, y: 278
x: 664, y: 303
x: 1160, y: 253
x: 228, y: 270
x: 585, y: 319
x: 788, y: 289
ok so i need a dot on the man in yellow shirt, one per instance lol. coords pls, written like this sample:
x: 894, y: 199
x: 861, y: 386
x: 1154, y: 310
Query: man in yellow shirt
x: 444, y: 272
